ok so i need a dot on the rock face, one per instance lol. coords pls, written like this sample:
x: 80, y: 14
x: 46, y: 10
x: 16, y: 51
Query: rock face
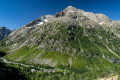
x: 40, y: 20
x: 99, y: 18
x: 70, y: 15
x: 4, y: 32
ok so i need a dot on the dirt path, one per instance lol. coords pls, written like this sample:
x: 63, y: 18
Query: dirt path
x: 110, y: 78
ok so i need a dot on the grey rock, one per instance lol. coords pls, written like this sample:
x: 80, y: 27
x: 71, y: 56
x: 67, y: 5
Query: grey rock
x: 4, y: 32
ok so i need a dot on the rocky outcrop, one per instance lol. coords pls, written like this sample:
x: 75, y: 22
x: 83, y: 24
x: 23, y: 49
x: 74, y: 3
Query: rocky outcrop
x: 68, y: 10
x: 40, y: 20
x: 114, y: 60
x: 99, y: 18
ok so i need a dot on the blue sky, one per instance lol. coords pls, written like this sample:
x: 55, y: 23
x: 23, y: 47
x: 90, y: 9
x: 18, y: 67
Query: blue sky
x: 16, y: 13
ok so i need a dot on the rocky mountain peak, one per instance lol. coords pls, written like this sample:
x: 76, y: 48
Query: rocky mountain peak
x: 72, y: 11
x: 4, y: 31
x: 3, y: 27
x: 71, y: 8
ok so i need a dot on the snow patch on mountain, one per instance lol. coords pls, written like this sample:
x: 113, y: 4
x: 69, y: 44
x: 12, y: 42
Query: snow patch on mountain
x: 40, y: 23
x: 40, y: 20
x: 45, y: 20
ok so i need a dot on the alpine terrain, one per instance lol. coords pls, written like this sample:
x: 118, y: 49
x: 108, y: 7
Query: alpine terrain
x: 70, y: 45
x: 4, y: 32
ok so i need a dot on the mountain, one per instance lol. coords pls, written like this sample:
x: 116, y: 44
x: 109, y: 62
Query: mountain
x: 73, y: 39
x: 4, y: 32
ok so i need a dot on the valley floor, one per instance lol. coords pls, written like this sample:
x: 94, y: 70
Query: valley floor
x: 33, y: 72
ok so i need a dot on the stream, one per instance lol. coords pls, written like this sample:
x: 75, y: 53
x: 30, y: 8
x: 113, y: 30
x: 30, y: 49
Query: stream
x: 32, y: 66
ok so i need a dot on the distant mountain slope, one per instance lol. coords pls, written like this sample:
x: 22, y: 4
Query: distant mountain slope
x: 4, y: 32
x: 72, y: 39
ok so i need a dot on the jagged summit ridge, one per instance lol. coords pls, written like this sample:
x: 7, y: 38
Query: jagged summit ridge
x: 72, y: 12
x: 69, y: 9
x: 40, y: 20
x: 72, y: 9
x: 99, y: 18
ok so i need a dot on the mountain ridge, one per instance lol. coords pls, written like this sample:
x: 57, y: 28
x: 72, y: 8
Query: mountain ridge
x: 4, y: 32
